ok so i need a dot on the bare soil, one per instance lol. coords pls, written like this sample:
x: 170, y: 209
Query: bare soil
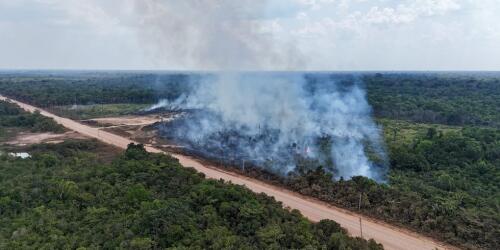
x: 129, y: 120
x: 25, y: 138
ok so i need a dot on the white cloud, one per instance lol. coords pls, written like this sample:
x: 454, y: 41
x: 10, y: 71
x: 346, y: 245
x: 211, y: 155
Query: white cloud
x: 67, y: 34
x: 92, y: 14
x: 315, y: 4
x: 378, y: 15
x: 410, y: 11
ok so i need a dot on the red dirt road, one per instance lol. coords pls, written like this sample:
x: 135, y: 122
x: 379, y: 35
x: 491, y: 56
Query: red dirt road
x: 391, y: 237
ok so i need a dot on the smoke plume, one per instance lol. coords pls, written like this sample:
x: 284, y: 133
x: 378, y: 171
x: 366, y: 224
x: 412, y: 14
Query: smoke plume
x: 217, y: 35
x: 279, y: 121
x: 276, y: 121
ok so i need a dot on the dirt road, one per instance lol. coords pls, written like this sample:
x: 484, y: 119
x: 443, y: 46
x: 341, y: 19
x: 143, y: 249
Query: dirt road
x: 391, y: 237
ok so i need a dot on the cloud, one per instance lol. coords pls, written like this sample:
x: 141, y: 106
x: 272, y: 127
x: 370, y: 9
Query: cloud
x: 99, y: 16
x: 409, y: 12
x: 315, y: 4
x: 333, y: 34
x: 69, y: 34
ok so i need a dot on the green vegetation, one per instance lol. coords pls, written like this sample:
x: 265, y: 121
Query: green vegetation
x: 446, y: 98
x: 85, y: 112
x: 12, y: 116
x: 87, y: 89
x: 443, y: 181
x: 65, y: 198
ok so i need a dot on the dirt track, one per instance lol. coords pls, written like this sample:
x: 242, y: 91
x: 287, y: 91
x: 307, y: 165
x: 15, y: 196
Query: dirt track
x: 391, y: 237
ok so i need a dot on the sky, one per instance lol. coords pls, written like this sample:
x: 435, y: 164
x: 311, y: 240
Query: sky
x: 331, y: 35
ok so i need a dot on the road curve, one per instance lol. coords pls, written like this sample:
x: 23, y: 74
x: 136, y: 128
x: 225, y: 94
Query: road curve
x: 391, y: 237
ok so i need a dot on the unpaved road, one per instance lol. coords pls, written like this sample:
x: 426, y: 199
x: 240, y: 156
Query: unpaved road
x: 391, y: 237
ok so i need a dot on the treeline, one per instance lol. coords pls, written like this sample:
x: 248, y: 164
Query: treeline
x: 64, y: 198
x: 445, y: 98
x: 12, y: 115
x: 46, y: 91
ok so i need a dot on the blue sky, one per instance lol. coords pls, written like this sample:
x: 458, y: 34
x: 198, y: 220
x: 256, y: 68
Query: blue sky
x: 325, y: 34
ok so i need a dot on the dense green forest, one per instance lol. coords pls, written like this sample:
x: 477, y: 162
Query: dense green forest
x: 445, y: 183
x: 83, y: 88
x: 64, y: 197
x: 445, y: 98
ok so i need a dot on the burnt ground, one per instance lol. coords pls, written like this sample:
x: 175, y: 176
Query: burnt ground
x: 149, y: 135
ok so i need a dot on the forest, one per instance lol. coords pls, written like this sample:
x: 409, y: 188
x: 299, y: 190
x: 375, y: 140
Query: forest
x: 443, y: 98
x: 82, y: 88
x: 73, y: 195
x: 441, y: 131
x: 444, y: 184
x: 65, y: 198
x: 12, y: 116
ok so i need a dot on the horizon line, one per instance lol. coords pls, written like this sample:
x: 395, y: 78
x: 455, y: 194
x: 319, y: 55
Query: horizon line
x: 252, y: 71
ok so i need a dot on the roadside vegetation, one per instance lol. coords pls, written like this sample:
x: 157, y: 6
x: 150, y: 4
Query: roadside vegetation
x: 65, y: 198
x: 443, y: 182
x: 12, y: 116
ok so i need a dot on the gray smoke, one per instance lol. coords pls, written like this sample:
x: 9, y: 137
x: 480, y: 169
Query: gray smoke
x: 218, y: 35
x: 273, y: 120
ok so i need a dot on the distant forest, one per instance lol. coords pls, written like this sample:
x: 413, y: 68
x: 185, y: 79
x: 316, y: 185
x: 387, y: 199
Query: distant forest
x: 452, y: 98
x: 444, y: 98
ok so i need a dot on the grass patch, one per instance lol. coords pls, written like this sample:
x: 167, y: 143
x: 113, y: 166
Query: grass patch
x: 398, y: 131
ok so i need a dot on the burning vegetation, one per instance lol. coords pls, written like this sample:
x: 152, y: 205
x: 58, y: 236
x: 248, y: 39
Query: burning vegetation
x: 278, y: 122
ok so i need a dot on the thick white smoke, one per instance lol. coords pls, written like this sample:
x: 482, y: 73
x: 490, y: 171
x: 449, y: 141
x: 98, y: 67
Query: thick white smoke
x: 267, y: 118
x: 284, y: 115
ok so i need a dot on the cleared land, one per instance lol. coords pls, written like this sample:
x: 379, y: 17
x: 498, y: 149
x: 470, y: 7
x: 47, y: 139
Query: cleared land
x: 391, y: 237
x: 24, y: 139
